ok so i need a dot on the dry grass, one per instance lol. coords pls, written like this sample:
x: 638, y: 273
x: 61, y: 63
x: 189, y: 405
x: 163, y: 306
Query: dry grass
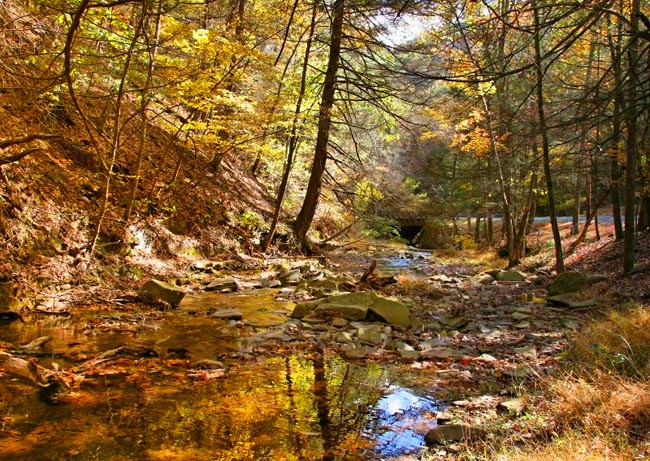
x: 600, y: 408
x: 572, y: 448
x: 605, y: 404
x: 618, y: 344
x: 417, y: 286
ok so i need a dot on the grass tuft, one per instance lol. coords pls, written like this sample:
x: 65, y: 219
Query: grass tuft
x: 619, y: 344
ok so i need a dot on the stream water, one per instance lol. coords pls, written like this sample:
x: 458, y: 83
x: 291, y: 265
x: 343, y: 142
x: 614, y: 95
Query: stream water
x: 291, y: 405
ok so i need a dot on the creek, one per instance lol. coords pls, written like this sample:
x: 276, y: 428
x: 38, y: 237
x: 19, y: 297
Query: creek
x: 302, y: 403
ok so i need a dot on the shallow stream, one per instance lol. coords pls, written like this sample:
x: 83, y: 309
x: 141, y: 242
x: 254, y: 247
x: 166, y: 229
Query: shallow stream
x: 293, y: 404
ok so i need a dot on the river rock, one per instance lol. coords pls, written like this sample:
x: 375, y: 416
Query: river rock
x: 526, y: 351
x: 271, y: 283
x: 570, y: 300
x: 322, y: 287
x: 208, y: 364
x: 159, y: 291
x: 392, y: 312
x: 513, y: 406
x: 291, y: 277
x: 342, y: 310
x: 567, y: 282
x: 482, y: 279
x: 371, y: 334
x: 227, y: 314
x: 519, y: 315
x: 442, y: 278
x: 339, y: 323
x: 223, y: 285
x: 406, y: 351
x: 487, y: 358
x: 302, y: 310
x: 10, y: 305
x: 442, y: 353
x: 508, y: 276
x: 454, y: 323
x: 378, y: 308
x: 343, y: 337
x: 452, y: 433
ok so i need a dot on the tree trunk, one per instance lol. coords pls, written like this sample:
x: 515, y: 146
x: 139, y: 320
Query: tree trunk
x: 615, y: 170
x: 116, y: 135
x: 306, y: 215
x: 524, y: 224
x: 631, y: 146
x: 293, y: 136
x: 144, y: 104
x: 577, y: 195
x: 557, y: 238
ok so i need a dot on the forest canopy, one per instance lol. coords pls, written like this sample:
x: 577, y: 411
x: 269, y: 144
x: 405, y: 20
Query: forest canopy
x: 344, y: 111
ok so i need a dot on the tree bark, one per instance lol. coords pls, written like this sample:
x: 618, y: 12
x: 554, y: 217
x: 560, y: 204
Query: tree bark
x: 631, y: 146
x: 615, y: 169
x: 557, y: 238
x: 306, y: 214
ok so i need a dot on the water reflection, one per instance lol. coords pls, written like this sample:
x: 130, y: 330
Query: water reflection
x: 278, y: 408
x: 308, y: 405
x: 399, y: 421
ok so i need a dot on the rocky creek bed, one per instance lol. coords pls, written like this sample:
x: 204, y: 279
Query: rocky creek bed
x: 383, y: 355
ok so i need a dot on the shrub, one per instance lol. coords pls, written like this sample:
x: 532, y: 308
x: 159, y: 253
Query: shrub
x: 382, y: 228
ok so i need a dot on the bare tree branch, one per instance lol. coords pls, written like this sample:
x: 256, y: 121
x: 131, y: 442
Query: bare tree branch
x: 25, y: 139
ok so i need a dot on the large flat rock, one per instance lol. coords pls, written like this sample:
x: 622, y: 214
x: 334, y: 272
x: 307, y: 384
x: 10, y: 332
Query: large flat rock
x: 358, y: 306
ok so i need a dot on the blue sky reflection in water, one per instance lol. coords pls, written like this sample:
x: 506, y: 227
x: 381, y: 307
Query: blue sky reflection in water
x: 399, y: 421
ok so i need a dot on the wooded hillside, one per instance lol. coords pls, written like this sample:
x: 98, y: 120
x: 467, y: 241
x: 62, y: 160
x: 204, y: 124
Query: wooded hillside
x: 208, y: 116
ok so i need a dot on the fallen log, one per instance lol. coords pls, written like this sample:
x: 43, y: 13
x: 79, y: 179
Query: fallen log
x: 51, y: 383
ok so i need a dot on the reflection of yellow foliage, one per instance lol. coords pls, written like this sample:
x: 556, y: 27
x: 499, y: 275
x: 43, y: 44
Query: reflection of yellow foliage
x: 353, y: 447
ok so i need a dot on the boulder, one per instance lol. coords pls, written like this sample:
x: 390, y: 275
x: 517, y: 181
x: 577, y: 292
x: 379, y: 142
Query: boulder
x: 452, y: 433
x: 223, y: 285
x: 302, y: 310
x: 567, y: 282
x: 10, y: 305
x: 291, y: 277
x: 511, y: 276
x: 342, y: 310
x: 391, y: 312
x: 159, y: 291
x: 376, y: 308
